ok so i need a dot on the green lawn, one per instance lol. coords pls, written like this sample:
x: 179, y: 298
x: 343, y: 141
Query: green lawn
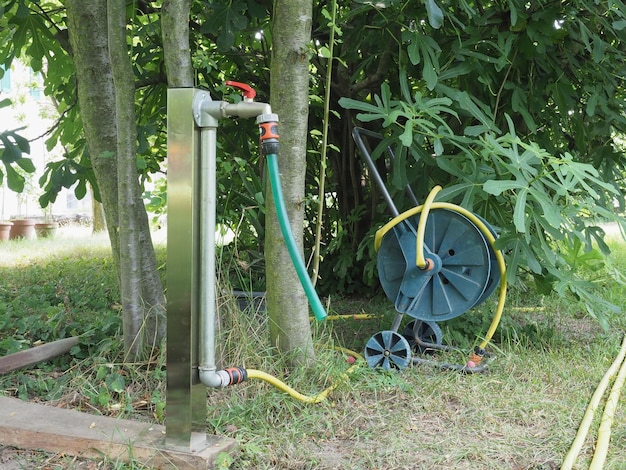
x: 523, y: 413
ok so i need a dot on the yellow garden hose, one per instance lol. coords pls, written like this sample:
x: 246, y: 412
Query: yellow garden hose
x: 424, y: 209
x: 420, y: 261
x: 352, y: 316
x: 604, y: 435
x: 310, y: 399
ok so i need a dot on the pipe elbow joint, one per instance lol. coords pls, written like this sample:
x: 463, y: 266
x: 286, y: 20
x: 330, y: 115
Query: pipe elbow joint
x: 222, y: 378
x: 211, y: 377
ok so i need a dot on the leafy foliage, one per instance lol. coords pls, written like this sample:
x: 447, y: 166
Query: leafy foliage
x: 515, y: 107
x: 12, y: 148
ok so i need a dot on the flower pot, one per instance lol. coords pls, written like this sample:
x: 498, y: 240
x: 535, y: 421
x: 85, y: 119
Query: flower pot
x: 5, y: 230
x: 46, y: 229
x: 23, y: 228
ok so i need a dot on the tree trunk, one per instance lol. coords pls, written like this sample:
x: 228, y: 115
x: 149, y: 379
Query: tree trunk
x: 107, y: 99
x: 87, y: 27
x: 175, y: 32
x: 130, y: 257
x: 290, y: 329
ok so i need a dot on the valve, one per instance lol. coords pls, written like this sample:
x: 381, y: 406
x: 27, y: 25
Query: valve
x: 247, y: 91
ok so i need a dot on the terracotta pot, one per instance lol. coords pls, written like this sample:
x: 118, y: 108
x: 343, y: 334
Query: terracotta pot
x: 23, y: 228
x: 46, y: 230
x: 5, y: 230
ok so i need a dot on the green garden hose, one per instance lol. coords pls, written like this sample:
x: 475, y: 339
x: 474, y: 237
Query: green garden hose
x: 292, y: 247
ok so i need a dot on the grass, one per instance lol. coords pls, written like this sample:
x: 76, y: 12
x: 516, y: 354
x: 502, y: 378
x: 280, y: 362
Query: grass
x: 522, y: 414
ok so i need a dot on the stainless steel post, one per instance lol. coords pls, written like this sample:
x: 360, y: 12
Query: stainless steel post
x: 186, y: 396
x: 192, y: 120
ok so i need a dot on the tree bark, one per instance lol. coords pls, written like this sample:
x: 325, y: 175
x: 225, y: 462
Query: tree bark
x: 176, y: 52
x: 290, y: 329
x: 130, y: 257
x: 87, y: 27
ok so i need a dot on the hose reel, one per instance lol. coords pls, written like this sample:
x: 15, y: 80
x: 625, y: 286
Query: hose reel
x: 435, y: 262
x: 460, y: 272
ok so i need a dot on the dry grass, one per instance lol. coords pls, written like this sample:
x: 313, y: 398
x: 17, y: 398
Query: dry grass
x: 522, y: 414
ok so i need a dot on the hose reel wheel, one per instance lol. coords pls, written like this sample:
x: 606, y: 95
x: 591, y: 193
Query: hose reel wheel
x: 425, y: 331
x: 462, y: 268
x: 388, y: 350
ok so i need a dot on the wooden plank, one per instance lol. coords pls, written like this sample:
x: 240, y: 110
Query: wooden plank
x: 32, y: 356
x: 35, y: 426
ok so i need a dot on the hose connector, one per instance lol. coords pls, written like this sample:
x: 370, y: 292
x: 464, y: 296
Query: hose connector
x: 224, y: 377
x: 236, y: 375
x: 268, y: 133
x: 476, y: 357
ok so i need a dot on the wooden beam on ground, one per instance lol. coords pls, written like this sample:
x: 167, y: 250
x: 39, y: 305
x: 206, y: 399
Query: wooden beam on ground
x: 32, y: 356
x: 34, y: 426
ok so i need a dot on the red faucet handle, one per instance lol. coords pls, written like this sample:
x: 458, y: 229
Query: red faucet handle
x: 247, y: 91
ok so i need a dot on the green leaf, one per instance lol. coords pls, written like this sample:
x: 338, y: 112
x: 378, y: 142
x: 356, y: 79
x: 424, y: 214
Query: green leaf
x: 497, y: 187
x: 437, y: 146
x: 519, y: 213
x: 413, y: 50
x: 474, y: 131
x: 590, y: 109
x: 551, y: 211
x: 115, y: 382
x: 349, y: 103
x: 15, y: 181
x: 467, y: 103
x: 81, y: 189
x: 513, y: 13
x: 404, y: 85
x: 619, y: 25
x: 435, y: 15
x: 26, y: 164
x: 430, y: 75
x: 407, y: 136
x: 512, y: 245
x: 531, y: 260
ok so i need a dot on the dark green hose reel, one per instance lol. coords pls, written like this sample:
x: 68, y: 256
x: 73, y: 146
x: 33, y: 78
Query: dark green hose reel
x: 460, y: 272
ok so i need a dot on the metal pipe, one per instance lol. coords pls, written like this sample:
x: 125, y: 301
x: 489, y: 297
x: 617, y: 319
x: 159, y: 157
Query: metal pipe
x: 206, y: 114
x: 205, y: 108
x: 207, y: 299
x: 374, y: 174
x: 207, y: 302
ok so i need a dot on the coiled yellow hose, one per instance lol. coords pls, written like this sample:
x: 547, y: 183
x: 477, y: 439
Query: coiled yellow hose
x: 420, y: 246
x: 420, y: 261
